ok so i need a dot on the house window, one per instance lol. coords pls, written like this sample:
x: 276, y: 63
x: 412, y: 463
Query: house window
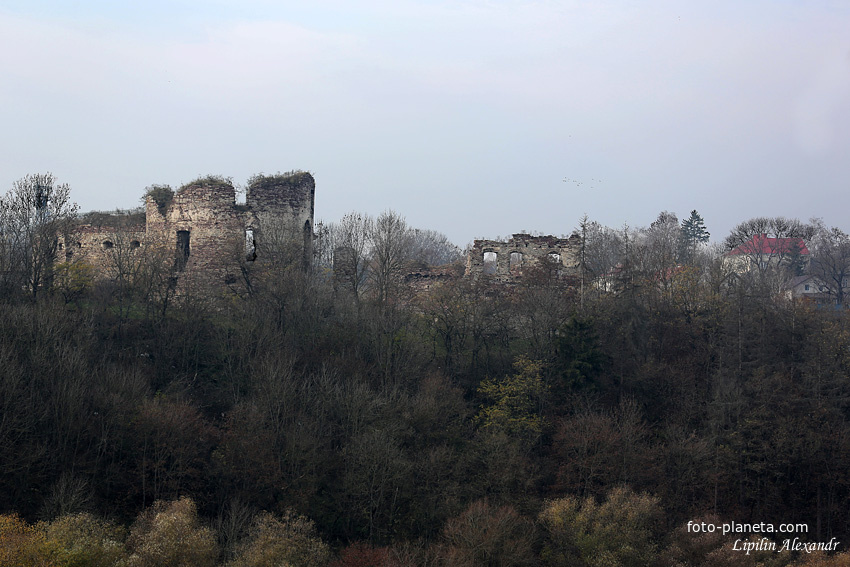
x: 807, y: 287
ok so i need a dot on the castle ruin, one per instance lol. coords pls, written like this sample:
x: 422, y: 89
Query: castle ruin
x: 505, y: 260
x: 204, y: 231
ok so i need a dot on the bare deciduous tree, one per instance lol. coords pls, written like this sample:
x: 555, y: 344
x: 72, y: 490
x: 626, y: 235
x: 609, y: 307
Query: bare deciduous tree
x: 349, y: 240
x: 33, y: 215
x: 391, y: 243
x: 774, y: 227
x: 432, y: 248
x: 831, y: 261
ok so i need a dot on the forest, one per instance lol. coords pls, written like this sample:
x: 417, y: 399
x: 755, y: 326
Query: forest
x: 348, y: 417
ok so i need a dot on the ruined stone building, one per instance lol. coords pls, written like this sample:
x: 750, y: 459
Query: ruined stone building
x: 204, y: 233
x: 505, y: 261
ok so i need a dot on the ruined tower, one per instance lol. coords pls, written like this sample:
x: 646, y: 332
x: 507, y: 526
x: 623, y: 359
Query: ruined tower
x: 207, y: 230
x: 280, y: 213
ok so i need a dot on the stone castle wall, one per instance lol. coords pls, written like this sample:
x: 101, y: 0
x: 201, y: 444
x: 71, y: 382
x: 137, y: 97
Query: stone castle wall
x: 205, y: 231
x: 506, y: 260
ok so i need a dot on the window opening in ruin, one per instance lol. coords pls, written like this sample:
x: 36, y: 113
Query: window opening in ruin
x: 308, y: 245
x: 107, y: 244
x: 554, y: 257
x: 182, y: 250
x: 490, y: 259
x: 135, y: 244
x: 250, y: 245
x: 516, y: 260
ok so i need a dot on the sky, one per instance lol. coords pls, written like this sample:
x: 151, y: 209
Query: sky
x: 475, y: 118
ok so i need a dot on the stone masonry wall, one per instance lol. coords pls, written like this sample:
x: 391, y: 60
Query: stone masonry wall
x: 206, y: 230
x: 99, y: 246
x: 505, y: 261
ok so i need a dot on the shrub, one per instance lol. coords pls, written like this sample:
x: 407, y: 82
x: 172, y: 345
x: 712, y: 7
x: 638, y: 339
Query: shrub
x: 485, y: 535
x: 23, y: 545
x: 290, y: 540
x: 618, y: 532
x: 81, y: 540
x: 168, y: 535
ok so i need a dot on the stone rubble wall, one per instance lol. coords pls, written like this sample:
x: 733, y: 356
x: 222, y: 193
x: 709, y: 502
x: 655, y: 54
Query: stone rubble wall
x: 215, y: 225
x: 529, y: 250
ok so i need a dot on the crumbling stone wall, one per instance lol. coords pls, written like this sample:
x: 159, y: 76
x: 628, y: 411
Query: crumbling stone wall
x: 203, y: 227
x: 207, y: 232
x: 100, y: 237
x: 506, y: 261
x: 280, y: 209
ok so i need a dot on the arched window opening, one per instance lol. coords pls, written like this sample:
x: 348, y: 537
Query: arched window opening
x: 554, y: 257
x: 490, y: 259
x: 250, y: 245
x: 516, y: 260
x: 107, y: 244
x: 182, y: 250
x: 308, y: 245
x: 135, y: 244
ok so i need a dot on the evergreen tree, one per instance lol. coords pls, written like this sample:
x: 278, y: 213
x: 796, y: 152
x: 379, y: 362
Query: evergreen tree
x: 694, y: 233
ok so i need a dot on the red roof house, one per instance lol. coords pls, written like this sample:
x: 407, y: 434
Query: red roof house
x: 761, y: 244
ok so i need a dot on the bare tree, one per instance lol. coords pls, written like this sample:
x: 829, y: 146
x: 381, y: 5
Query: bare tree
x: 657, y: 249
x: 33, y: 215
x: 391, y: 242
x: 831, y: 261
x: 432, y: 248
x: 601, y: 247
x: 350, y: 241
x: 767, y: 252
x: 773, y: 227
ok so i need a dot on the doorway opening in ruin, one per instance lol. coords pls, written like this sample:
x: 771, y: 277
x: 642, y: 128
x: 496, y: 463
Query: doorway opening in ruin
x: 182, y: 250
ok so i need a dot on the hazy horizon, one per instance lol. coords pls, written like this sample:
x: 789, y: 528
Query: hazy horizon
x: 472, y: 118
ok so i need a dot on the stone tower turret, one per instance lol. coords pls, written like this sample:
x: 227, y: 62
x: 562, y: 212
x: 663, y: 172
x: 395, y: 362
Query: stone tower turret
x: 282, y: 207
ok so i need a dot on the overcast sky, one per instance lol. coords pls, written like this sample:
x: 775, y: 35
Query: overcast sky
x: 474, y: 118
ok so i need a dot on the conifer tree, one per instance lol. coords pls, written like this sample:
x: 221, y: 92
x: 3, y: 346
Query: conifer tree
x: 694, y: 233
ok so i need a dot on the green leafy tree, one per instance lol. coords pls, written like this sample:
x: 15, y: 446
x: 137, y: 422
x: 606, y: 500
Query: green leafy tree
x: 23, y: 545
x: 514, y: 401
x: 578, y: 358
x: 620, y: 532
x: 288, y: 540
x: 82, y: 540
